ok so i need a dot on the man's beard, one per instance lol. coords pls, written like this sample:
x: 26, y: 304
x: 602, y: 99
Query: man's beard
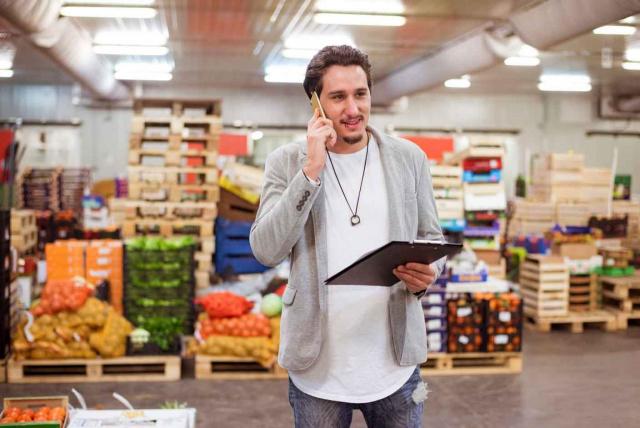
x: 352, y: 140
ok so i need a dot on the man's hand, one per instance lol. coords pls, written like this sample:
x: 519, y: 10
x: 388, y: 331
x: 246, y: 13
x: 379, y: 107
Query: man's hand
x: 320, y: 134
x: 416, y: 276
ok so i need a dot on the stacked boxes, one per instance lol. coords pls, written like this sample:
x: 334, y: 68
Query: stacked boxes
x: 5, y: 281
x: 434, y: 305
x: 73, y: 183
x: 531, y: 217
x: 447, y: 192
x: 557, y: 177
x: 65, y: 259
x: 233, y: 251
x: 104, y: 262
x: 597, y: 185
x: 24, y: 232
x: 544, y: 282
x: 632, y: 211
x: 503, y: 322
x: 173, y: 179
x: 464, y: 323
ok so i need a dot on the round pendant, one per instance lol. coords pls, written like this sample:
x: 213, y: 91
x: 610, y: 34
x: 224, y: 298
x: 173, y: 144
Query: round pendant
x: 355, y: 220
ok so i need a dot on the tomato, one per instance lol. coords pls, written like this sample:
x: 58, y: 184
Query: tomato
x: 24, y: 418
x: 7, y: 420
x: 28, y: 412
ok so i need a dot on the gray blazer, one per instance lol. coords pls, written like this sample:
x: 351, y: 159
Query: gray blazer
x: 291, y: 223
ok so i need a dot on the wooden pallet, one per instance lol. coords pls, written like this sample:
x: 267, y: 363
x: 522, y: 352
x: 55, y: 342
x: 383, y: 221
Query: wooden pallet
x: 193, y: 176
x: 24, y: 240
x: 203, y: 279
x: 22, y: 220
x: 178, y: 107
x: 167, y: 228
x: 125, y: 369
x: 446, y: 176
x: 623, y: 319
x: 476, y: 150
x: 544, y: 285
x: 235, y: 368
x: 622, y: 293
x: 204, y: 261
x: 472, y: 363
x: 175, y: 142
x: 576, y: 321
x: 163, y: 126
x: 171, y: 210
x: 157, y: 192
x: 3, y: 370
x: 171, y: 158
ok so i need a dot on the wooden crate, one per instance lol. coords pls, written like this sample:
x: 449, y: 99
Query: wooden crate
x: 477, y: 150
x: 24, y: 240
x: 125, y: 369
x: 621, y: 293
x: 177, y: 107
x: 171, y: 210
x: 235, y: 368
x: 167, y: 228
x: 159, y: 192
x: 149, y: 126
x: 22, y: 220
x: 575, y: 320
x: 175, y: 142
x: 544, y: 282
x: 534, y: 211
x: 233, y: 207
x: 173, y: 175
x: 623, y: 319
x: 171, y: 158
x: 472, y: 363
x: 583, y: 293
x: 443, y: 176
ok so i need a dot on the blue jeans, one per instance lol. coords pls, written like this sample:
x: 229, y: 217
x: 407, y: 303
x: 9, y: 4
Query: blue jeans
x: 399, y: 410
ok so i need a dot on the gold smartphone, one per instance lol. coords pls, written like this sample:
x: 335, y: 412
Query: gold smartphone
x: 315, y: 104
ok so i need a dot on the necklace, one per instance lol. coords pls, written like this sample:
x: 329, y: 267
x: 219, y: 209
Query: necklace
x: 355, y: 218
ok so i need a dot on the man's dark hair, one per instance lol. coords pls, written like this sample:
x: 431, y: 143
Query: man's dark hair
x: 333, y: 55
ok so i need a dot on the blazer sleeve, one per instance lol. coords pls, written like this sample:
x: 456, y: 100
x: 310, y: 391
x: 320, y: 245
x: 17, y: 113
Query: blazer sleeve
x: 283, y: 211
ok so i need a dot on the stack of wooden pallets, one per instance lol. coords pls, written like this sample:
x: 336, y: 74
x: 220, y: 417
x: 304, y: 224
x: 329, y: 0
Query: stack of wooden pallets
x: 544, y: 282
x: 621, y: 296
x: 173, y: 179
x: 24, y: 231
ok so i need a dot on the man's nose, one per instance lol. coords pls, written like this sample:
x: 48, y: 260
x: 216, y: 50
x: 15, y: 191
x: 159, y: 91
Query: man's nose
x: 352, y: 106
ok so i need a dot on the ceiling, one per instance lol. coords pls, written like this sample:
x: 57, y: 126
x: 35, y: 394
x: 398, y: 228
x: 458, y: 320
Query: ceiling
x: 229, y: 43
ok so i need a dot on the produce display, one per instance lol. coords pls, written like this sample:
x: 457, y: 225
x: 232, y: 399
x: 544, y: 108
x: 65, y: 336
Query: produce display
x: 503, y: 322
x: 94, y: 329
x: 62, y: 295
x: 227, y: 328
x: 12, y: 415
x: 159, y: 287
x: 464, y: 323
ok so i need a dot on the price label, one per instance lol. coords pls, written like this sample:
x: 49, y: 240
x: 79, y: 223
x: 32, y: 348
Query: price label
x: 463, y: 312
x: 434, y: 324
x: 501, y: 339
x: 434, y: 299
x: 435, y: 311
x: 463, y: 339
x: 504, y: 316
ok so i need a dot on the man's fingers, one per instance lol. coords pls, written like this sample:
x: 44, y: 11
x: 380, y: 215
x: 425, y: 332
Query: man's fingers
x: 412, y: 284
x: 418, y: 276
x: 421, y: 268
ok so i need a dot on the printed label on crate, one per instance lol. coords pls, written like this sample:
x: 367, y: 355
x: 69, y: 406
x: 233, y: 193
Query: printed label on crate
x: 435, y: 324
x: 501, y: 339
x: 464, y: 312
x: 434, y: 299
x: 504, y: 316
x: 463, y: 339
x: 435, y: 337
x: 434, y: 311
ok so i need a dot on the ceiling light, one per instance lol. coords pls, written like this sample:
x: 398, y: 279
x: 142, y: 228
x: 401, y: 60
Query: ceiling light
x: 361, y: 6
x: 565, y: 83
x: 615, y: 30
x: 353, y: 19
x: 151, y: 67
x: 257, y: 135
x: 522, y: 61
x: 130, y: 50
x: 138, y: 38
x: 316, y: 41
x: 108, y: 12
x: 5, y: 64
x: 112, y: 2
x: 284, y: 74
x: 632, y: 54
x: 629, y: 20
x: 631, y: 66
x: 461, y: 83
x: 6, y: 73
x: 142, y: 75
x: 526, y: 50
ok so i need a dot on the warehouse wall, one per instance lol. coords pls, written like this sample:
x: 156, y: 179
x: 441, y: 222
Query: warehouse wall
x: 547, y: 122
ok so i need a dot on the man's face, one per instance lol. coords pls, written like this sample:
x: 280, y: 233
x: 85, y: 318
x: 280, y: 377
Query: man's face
x: 346, y: 100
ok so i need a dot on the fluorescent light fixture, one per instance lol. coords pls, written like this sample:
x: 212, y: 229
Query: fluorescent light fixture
x: 284, y: 74
x: 522, y: 61
x: 138, y: 38
x: 257, y: 135
x: 111, y: 2
x: 5, y: 64
x: 150, y: 67
x: 526, y: 50
x: 629, y: 20
x: 6, y: 73
x: 353, y: 19
x: 565, y: 83
x: 316, y: 41
x: 632, y: 54
x: 460, y: 83
x: 130, y: 50
x: 615, y: 30
x: 635, y: 66
x: 142, y: 75
x: 361, y: 6
x: 299, y: 53
x: 108, y: 12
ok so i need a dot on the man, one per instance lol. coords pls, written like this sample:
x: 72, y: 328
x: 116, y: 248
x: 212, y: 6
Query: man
x: 345, y: 191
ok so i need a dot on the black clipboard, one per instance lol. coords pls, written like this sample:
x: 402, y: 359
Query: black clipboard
x: 376, y: 267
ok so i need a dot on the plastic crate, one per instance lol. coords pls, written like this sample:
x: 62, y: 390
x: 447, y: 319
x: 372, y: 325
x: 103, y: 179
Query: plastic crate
x: 493, y: 176
x: 153, y: 349
x: 233, y: 250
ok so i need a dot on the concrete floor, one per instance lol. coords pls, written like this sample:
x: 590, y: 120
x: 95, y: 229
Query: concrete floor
x: 569, y: 380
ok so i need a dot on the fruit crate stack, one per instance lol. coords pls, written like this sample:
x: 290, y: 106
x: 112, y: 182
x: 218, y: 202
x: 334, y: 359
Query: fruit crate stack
x: 73, y: 183
x: 556, y: 177
x: 104, y: 262
x: 631, y: 209
x: 464, y: 324
x: 503, y: 321
x: 5, y: 281
x: 160, y: 286
x: 447, y: 192
x: 581, y: 256
x: 531, y: 217
x: 544, y: 283
x: 434, y: 305
x: 24, y: 231
x: 485, y: 203
x: 173, y: 180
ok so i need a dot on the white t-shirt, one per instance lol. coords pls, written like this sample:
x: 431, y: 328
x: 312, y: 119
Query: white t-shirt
x: 356, y: 362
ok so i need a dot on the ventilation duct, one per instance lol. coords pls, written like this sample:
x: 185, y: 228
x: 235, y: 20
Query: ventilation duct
x: 556, y: 21
x: 543, y: 25
x: 64, y: 43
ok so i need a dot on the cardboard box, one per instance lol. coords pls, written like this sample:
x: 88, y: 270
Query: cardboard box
x: 575, y: 250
